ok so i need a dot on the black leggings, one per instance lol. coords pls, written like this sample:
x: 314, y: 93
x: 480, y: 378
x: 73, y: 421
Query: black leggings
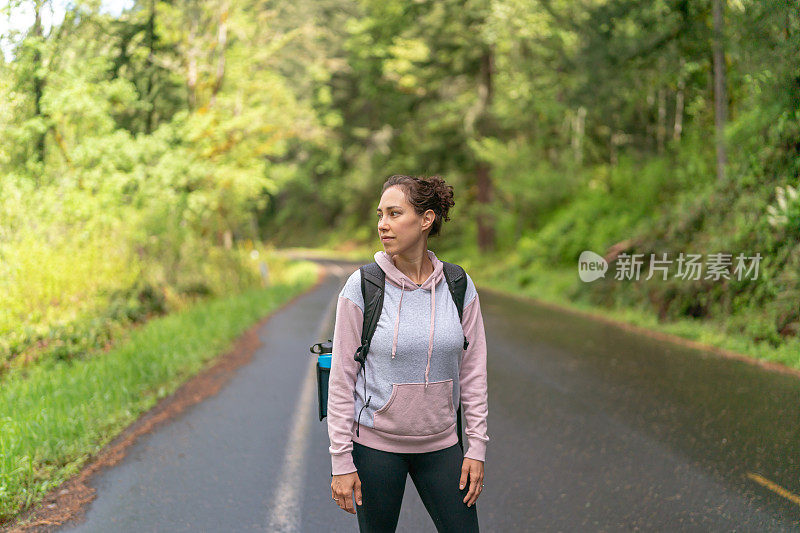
x: 435, y: 474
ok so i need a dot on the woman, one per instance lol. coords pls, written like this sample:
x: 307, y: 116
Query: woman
x: 402, y: 420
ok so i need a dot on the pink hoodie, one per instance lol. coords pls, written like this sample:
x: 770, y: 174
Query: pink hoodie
x: 402, y: 408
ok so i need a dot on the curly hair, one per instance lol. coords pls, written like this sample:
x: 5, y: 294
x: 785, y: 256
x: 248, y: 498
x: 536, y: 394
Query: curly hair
x: 425, y: 193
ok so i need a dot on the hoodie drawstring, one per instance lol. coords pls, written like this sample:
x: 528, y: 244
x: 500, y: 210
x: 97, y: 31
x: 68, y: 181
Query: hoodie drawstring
x: 397, y: 320
x: 430, y: 338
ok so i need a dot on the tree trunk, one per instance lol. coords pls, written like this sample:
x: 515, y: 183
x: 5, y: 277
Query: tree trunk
x: 661, y: 129
x: 486, y: 234
x: 486, y: 231
x: 578, y: 126
x: 720, y: 99
x: 193, y: 52
x: 222, y: 45
x: 151, y: 67
x: 38, y: 86
x: 678, y: 128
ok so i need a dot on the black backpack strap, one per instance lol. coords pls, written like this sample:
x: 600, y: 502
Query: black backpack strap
x: 457, y: 283
x: 372, y: 285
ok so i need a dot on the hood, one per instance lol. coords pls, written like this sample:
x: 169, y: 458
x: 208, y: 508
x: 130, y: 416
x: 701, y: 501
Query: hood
x: 404, y: 283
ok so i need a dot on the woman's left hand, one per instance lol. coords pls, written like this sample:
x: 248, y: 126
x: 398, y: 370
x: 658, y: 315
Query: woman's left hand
x: 472, y: 469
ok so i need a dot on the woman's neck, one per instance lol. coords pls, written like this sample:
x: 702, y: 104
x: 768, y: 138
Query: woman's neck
x: 418, y: 270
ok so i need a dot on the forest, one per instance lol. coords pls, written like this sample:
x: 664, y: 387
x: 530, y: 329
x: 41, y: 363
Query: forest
x: 151, y: 158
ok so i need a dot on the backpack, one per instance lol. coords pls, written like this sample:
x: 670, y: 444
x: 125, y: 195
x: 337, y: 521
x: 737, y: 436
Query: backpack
x: 372, y: 286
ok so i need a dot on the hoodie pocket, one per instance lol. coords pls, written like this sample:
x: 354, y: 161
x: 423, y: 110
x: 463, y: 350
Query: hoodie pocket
x: 414, y: 410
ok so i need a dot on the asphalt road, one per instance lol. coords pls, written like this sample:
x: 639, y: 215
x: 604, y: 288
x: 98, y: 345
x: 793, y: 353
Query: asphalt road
x: 592, y: 428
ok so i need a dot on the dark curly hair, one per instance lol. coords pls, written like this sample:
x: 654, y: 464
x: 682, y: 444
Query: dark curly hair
x: 425, y: 193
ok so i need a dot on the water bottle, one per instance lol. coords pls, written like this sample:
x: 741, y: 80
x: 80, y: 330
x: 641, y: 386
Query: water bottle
x: 324, y: 351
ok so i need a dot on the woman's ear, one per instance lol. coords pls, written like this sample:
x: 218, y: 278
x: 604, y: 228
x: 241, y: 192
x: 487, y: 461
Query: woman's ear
x: 428, y: 219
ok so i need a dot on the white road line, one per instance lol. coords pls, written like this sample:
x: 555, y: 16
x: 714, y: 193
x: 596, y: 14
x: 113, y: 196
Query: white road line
x: 285, y: 514
x: 338, y: 270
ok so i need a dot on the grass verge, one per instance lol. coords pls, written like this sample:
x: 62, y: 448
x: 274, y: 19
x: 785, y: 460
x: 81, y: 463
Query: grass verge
x: 554, y: 286
x: 61, y: 413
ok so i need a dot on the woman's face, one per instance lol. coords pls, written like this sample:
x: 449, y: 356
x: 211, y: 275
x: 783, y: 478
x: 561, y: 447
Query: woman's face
x: 398, y: 221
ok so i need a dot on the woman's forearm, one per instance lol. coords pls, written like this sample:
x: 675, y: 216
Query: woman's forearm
x: 473, y: 382
x: 344, y: 370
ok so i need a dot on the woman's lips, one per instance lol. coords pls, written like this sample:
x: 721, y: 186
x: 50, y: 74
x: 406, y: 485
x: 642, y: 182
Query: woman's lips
x: 386, y: 238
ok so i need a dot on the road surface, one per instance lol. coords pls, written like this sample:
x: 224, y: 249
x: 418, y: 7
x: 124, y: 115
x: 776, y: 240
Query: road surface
x: 592, y: 428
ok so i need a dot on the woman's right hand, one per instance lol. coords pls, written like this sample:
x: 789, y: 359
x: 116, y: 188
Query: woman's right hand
x: 342, y: 488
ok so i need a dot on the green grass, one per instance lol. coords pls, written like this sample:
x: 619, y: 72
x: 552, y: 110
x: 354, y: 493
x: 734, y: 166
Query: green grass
x: 61, y: 413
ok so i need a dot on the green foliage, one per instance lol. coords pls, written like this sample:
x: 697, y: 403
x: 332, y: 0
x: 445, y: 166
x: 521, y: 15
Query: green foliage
x: 785, y: 214
x: 140, y: 163
x: 63, y: 411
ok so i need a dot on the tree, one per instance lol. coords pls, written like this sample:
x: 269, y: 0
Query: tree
x: 720, y: 98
